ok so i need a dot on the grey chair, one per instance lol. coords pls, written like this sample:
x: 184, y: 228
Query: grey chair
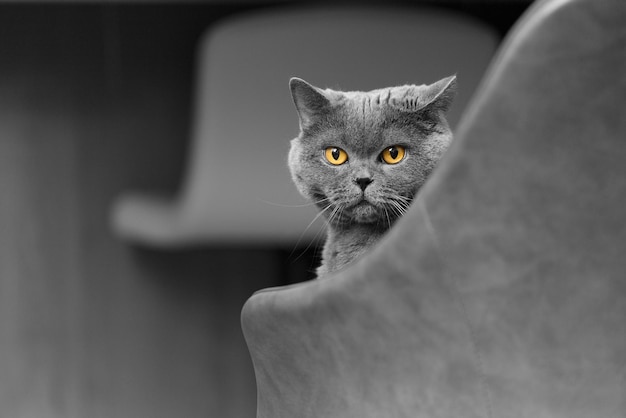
x: 502, y: 293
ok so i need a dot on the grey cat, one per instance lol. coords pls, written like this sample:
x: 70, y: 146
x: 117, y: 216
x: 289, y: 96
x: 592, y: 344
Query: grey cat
x: 362, y: 156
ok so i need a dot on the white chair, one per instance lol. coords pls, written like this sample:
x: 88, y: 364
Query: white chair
x: 237, y: 188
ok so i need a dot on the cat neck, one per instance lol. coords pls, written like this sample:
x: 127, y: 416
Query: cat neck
x: 343, y: 245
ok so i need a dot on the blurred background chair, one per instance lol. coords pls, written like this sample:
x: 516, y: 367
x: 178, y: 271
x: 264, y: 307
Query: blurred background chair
x: 502, y: 292
x: 237, y: 188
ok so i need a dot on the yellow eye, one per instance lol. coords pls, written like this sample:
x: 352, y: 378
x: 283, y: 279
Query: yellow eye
x: 393, y: 155
x: 335, y: 156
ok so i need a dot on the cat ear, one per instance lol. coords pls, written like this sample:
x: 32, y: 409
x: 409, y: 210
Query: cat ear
x: 310, y: 102
x: 441, y: 93
x: 436, y: 96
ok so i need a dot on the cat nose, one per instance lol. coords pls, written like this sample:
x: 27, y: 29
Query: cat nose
x: 363, y: 182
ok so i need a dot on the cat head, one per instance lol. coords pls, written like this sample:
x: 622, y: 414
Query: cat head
x: 362, y: 156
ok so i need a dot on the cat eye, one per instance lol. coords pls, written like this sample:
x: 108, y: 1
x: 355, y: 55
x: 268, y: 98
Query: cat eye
x: 393, y: 155
x: 335, y: 156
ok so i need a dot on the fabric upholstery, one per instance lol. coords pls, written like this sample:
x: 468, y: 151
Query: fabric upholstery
x: 502, y: 293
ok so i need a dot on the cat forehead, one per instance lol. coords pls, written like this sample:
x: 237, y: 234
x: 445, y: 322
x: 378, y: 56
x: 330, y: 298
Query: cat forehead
x: 382, y: 96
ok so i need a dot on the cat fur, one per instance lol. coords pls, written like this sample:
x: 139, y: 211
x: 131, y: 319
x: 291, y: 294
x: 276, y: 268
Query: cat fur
x: 363, y: 124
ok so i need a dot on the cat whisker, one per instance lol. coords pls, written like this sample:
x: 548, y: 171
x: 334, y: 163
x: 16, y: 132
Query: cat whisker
x: 387, y: 215
x: 404, y: 203
x: 336, y: 214
x: 332, y: 215
x: 303, y: 205
x: 315, y: 241
x: 317, y: 234
x: 394, y: 211
x: 403, y: 200
x: 340, y: 217
x: 398, y: 197
x: 397, y: 208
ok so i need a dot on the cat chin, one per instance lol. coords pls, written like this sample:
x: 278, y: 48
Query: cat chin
x: 365, y: 213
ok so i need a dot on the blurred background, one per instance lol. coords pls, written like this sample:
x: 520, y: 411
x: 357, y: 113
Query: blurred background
x: 97, y: 99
